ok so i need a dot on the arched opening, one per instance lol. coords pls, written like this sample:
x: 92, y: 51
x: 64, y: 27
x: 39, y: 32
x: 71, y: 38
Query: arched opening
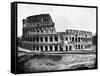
x: 51, y: 49
x: 41, y: 38
x: 61, y: 48
x: 78, y: 46
x: 46, y: 39
x: 51, y: 39
x: 37, y: 39
x: 33, y: 39
x: 46, y: 48
x: 70, y: 47
x: 75, y: 46
x: 72, y: 38
x: 76, y: 39
x: 81, y: 46
x: 66, y: 48
x: 37, y: 48
x: 56, y: 48
x: 33, y: 47
x: 56, y: 38
x: 41, y: 47
x: 79, y: 39
x: 27, y: 38
x: 30, y: 38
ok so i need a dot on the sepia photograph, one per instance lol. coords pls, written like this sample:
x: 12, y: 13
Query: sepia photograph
x: 54, y: 37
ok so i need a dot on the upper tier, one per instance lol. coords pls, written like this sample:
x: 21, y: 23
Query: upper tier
x: 41, y: 19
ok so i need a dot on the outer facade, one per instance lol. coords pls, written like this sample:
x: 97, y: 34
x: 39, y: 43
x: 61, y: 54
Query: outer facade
x: 39, y: 34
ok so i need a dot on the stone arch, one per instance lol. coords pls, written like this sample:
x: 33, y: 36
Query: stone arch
x: 46, y: 48
x: 72, y: 38
x: 51, y: 48
x: 34, y: 47
x: 41, y: 39
x: 37, y: 48
x: 41, y: 47
x: 78, y: 39
x: 70, y: 47
x: 33, y: 39
x: 56, y: 48
x: 66, y: 48
x: 61, y: 48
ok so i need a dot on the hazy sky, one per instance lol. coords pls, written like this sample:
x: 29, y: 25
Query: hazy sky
x: 64, y: 17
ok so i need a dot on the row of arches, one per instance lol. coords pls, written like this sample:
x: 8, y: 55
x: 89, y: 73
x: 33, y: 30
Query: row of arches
x: 39, y: 30
x: 54, y: 47
x: 42, y: 39
x: 48, y: 48
x: 50, y: 39
x: 43, y: 48
x: 74, y: 39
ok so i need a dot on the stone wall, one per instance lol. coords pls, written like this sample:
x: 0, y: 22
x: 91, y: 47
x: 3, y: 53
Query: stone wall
x: 39, y: 34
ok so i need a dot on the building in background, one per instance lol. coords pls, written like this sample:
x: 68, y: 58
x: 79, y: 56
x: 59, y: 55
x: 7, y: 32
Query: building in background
x: 39, y: 34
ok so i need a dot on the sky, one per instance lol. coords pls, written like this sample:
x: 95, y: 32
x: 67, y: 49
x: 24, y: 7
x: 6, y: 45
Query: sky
x: 64, y: 17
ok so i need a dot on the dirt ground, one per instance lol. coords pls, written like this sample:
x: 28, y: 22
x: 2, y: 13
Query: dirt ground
x: 39, y: 62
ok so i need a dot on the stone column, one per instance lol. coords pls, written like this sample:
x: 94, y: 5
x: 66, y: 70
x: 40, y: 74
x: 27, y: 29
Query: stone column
x: 64, y: 48
x: 70, y: 38
x: 58, y: 48
x: 80, y: 46
x: 48, y: 47
x: 53, y: 39
x: 48, y: 40
x: 68, y: 47
x: 58, y: 38
x: 77, y: 39
x: 43, y: 39
x: 53, y: 49
x: 43, y: 48
x: 44, y: 30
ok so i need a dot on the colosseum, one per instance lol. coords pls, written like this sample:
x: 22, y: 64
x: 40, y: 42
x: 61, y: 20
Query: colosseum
x: 40, y: 35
